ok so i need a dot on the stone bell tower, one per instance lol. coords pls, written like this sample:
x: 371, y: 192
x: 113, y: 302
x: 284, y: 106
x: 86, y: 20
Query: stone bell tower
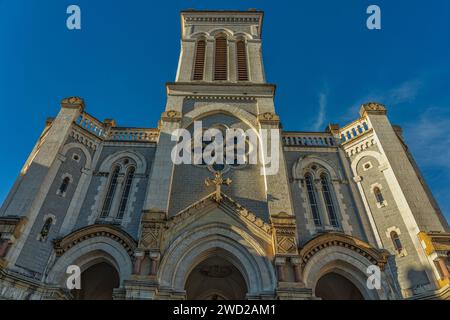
x: 234, y: 37
x: 220, y: 79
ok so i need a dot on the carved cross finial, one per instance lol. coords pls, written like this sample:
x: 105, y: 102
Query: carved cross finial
x: 218, y: 181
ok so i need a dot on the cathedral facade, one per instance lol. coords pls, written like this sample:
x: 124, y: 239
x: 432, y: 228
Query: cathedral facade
x: 346, y: 215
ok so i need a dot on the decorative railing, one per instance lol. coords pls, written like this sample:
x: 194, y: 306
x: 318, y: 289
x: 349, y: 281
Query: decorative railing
x: 110, y: 133
x: 314, y: 139
x: 133, y: 134
x: 354, y: 129
x: 91, y: 124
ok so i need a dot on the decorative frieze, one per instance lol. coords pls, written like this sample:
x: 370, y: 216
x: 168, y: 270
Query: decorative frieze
x: 284, y: 233
x: 152, y: 226
x: 62, y: 245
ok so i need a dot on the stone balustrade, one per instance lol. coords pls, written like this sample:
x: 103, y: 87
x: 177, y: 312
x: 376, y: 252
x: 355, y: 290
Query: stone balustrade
x: 91, y: 124
x: 112, y: 133
x: 314, y: 139
x: 354, y: 129
x: 133, y: 134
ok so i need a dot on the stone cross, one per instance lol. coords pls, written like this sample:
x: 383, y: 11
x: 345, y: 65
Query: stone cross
x: 218, y: 181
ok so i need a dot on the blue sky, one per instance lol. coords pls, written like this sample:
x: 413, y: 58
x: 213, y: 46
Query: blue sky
x: 320, y: 54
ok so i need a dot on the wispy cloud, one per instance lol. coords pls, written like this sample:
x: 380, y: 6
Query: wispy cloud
x: 406, y: 91
x: 429, y: 137
x: 318, y: 124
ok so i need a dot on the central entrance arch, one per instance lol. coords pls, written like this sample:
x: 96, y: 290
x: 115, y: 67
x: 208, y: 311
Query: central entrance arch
x: 215, y: 278
x: 333, y: 286
x: 98, y: 282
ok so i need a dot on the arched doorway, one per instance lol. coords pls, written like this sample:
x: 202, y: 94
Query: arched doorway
x: 98, y: 282
x: 333, y: 286
x: 215, y: 278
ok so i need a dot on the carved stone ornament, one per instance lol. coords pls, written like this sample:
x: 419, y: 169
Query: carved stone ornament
x: 73, y: 102
x: 372, y: 108
x: 152, y: 227
x: 268, y: 117
x: 284, y: 234
x: 171, y: 115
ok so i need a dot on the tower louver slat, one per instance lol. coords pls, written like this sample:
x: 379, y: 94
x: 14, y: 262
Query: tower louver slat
x: 221, y: 63
x: 242, y: 69
x: 199, y: 63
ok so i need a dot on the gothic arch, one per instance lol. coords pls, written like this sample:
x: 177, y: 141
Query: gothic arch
x: 305, y: 161
x: 195, y: 245
x: 90, y: 245
x: 85, y: 151
x: 243, y: 35
x: 346, y: 256
x: 200, y: 35
x: 141, y: 163
x: 211, y: 109
x: 216, y: 32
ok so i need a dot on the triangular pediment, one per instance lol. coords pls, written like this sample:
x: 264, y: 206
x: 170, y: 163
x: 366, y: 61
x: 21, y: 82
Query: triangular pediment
x: 226, y: 211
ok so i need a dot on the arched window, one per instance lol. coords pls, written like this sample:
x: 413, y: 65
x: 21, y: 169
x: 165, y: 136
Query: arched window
x: 378, y: 195
x: 326, y: 191
x: 199, y: 63
x: 46, y: 229
x: 242, y: 70
x: 126, y: 192
x: 64, y: 185
x: 221, y: 59
x: 396, y: 241
x: 110, y: 193
x: 312, y: 199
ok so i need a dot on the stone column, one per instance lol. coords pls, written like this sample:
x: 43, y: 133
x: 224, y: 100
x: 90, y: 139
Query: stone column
x: 232, y: 61
x: 154, y: 262
x: 443, y: 267
x: 209, y: 60
x: 138, y: 258
x: 4, y: 245
x: 280, y: 264
x: 296, y: 263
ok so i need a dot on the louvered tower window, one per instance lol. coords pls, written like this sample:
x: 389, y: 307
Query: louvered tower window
x: 199, y: 63
x: 221, y: 59
x: 242, y: 69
